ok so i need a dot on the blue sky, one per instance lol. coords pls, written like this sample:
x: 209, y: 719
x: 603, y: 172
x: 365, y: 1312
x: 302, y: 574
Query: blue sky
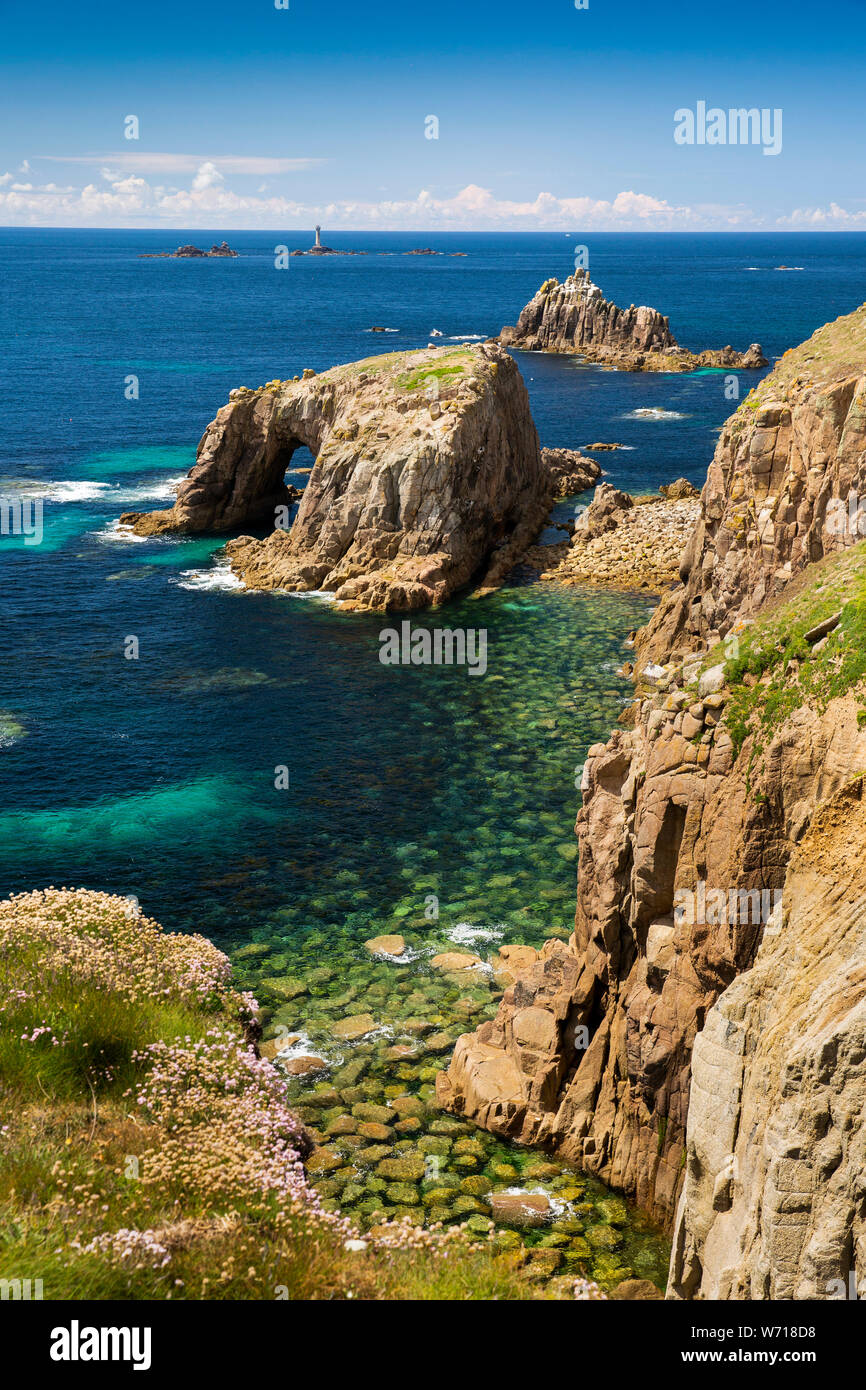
x: 549, y: 116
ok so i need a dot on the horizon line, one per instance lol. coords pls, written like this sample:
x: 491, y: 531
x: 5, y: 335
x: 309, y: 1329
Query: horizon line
x: 464, y: 231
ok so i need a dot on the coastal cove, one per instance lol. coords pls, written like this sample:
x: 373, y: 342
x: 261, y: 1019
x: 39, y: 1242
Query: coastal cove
x: 256, y: 772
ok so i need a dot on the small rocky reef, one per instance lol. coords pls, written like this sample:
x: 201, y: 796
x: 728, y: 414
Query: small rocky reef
x: 574, y: 317
x: 188, y: 253
x: 428, y: 477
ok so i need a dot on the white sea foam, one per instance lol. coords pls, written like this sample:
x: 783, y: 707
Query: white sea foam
x: 75, y: 491
x: 303, y: 1046
x: 465, y: 337
x: 464, y: 934
x: 654, y: 412
x: 326, y: 595
x: 115, y: 532
x: 164, y: 491
x: 217, y: 577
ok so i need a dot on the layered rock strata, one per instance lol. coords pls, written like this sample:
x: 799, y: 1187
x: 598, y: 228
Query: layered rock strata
x: 772, y: 1205
x: 574, y: 317
x: 427, y: 477
x: 787, y: 485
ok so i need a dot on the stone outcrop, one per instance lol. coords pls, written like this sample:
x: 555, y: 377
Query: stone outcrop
x: 189, y: 253
x: 574, y: 317
x: 428, y: 477
x: 603, y: 513
x: 706, y: 819
x: 618, y: 544
x: 773, y: 1201
x: 787, y: 485
x: 571, y: 471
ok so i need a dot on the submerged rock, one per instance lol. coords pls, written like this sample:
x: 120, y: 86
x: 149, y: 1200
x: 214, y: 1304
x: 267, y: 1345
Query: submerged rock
x: 428, y: 476
x: 386, y: 945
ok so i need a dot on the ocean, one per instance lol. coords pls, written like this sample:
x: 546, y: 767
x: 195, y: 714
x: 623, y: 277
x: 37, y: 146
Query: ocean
x: 418, y: 800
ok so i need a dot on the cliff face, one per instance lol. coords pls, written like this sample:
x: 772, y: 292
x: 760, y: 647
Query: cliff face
x: 772, y: 1205
x: 690, y: 820
x: 784, y: 489
x: 574, y: 317
x: 427, y: 476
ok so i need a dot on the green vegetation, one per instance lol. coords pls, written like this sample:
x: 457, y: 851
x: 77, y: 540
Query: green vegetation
x: 776, y: 670
x: 415, y: 380
x: 148, y: 1152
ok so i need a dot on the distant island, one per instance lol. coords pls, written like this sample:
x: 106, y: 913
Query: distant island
x: 318, y: 249
x: 188, y: 253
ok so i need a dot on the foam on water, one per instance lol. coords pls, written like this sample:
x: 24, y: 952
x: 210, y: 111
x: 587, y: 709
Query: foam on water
x: 326, y: 595
x: 125, y: 535
x: 654, y: 412
x: 465, y: 934
x: 218, y: 577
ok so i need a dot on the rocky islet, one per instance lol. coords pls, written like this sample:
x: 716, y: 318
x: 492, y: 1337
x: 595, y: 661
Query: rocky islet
x: 574, y: 317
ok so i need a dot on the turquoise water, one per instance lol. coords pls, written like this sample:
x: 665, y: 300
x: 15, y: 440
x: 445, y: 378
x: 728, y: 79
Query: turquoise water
x: 419, y: 800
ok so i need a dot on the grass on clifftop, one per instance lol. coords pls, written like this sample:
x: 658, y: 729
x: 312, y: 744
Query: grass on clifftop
x: 837, y: 349
x: 775, y: 670
x: 147, y: 1152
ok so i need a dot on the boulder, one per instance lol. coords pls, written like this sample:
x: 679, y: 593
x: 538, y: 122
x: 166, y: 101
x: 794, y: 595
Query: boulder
x: 571, y: 472
x: 386, y: 945
x: 526, y: 1209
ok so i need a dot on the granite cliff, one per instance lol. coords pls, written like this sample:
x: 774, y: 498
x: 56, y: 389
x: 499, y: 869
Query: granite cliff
x: 574, y: 317
x: 427, y: 477
x: 719, y: 909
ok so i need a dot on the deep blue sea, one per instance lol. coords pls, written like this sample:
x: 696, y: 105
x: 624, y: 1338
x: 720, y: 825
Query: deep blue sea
x: 419, y: 800
x: 155, y: 776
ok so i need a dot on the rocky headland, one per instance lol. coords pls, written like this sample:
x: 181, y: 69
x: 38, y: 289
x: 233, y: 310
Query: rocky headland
x: 427, y: 477
x: 700, y: 1041
x: 574, y: 317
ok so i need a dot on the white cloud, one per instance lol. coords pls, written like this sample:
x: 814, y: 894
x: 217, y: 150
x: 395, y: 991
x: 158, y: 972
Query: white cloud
x: 834, y: 218
x: 208, y: 176
x: 156, y: 162
x: 126, y: 197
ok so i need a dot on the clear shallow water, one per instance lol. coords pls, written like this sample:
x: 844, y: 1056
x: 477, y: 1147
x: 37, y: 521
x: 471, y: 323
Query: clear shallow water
x: 155, y: 776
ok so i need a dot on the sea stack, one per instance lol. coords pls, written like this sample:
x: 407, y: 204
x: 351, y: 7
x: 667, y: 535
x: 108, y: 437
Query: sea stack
x: 574, y: 317
x: 428, y: 477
